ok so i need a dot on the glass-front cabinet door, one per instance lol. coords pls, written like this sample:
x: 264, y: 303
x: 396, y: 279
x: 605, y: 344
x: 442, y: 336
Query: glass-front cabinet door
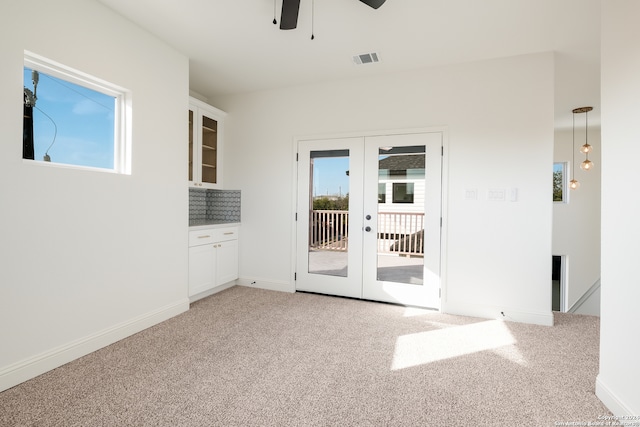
x: 191, y: 147
x: 205, y: 145
x: 209, y: 150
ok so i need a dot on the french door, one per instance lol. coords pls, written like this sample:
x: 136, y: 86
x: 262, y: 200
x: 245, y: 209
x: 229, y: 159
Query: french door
x: 368, y: 217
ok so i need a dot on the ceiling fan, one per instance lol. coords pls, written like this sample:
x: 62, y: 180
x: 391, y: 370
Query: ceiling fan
x: 290, y: 8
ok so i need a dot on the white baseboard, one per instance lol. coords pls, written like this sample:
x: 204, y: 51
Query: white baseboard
x: 29, y: 368
x: 254, y: 282
x: 610, y: 400
x: 503, y: 313
x: 215, y: 290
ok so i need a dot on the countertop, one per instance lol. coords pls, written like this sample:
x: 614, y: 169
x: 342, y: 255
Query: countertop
x: 204, y: 224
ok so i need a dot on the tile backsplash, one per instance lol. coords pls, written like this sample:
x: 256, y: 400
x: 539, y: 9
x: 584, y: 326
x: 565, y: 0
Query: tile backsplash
x: 214, y: 206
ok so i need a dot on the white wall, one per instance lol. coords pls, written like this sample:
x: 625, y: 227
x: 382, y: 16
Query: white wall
x: 617, y: 383
x: 576, y: 224
x: 500, y: 121
x: 590, y: 303
x: 89, y: 257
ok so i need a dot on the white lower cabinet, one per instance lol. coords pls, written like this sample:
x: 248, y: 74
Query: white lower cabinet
x: 213, y: 259
x: 226, y: 261
x: 202, y: 269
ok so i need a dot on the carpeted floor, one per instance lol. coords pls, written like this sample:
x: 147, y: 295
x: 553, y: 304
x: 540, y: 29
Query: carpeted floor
x: 250, y: 357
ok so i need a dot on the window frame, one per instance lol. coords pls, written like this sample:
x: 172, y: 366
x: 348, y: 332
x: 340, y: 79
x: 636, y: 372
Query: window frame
x: 564, y: 184
x: 121, y: 116
x: 407, y: 186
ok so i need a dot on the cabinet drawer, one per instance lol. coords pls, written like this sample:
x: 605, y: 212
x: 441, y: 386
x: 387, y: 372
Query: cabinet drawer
x: 201, y: 237
x: 227, y: 233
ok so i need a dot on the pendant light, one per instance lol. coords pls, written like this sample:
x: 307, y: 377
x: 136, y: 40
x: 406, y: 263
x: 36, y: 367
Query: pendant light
x: 587, y: 164
x: 573, y: 184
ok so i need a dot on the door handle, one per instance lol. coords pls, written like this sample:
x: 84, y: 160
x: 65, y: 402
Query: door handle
x: 367, y: 228
x: 368, y: 217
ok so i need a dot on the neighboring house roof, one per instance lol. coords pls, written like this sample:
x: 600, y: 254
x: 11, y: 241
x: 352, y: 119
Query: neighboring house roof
x: 403, y: 162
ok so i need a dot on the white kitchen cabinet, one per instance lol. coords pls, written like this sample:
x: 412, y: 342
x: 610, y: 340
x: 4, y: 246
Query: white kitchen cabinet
x: 226, y: 261
x: 202, y: 269
x: 206, y: 126
x: 213, y: 260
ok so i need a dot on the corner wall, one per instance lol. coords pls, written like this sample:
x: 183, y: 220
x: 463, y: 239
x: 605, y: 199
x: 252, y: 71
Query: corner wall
x: 576, y: 223
x: 617, y: 382
x: 89, y: 257
x: 499, y: 116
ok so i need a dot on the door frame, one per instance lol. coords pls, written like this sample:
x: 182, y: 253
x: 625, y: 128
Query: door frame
x: 386, y: 132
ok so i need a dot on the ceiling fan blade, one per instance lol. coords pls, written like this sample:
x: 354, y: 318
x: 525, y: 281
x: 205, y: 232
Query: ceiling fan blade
x: 373, y: 3
x: 289, y: 17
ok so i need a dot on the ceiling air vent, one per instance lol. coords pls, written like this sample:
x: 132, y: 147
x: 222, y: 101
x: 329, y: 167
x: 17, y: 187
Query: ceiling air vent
x: 366, y: 58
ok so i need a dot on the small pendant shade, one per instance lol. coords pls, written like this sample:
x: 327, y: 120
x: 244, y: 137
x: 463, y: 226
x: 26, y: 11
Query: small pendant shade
x: 587, y: 165
x: 586, y: 148
x: 574, y: 185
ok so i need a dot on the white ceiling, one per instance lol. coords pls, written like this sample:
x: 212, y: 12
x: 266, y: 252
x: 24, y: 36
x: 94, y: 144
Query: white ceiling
x: 234, y: 47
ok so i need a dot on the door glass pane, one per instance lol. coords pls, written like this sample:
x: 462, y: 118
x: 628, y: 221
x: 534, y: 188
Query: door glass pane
x: 401, y: 176
x: 209, y: 150
x: 329, y: 212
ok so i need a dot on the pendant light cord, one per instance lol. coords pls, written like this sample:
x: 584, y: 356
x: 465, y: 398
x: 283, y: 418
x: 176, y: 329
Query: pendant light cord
x: 586, y: 132
x: 274, y: 13
x: 573, y: 149
x: 313, y: 12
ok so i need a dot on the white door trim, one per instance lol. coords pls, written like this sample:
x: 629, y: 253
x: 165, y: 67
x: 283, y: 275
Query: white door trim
x: 444, y: 195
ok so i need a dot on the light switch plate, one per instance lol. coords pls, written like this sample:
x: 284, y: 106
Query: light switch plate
x: 496, y: 195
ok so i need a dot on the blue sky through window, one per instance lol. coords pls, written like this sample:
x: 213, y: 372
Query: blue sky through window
x: 83, y: 133
x: 558, y: 167
x: 330, y: 176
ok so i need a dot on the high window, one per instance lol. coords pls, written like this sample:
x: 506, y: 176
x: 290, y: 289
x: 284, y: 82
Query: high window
x: 559, y: 182
x: 71, y: 118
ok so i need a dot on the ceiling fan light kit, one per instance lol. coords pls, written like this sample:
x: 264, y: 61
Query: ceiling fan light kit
x: 290, y: 9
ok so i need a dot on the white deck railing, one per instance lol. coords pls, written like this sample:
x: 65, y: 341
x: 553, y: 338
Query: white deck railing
x: 329, y: 230
x: 401, y: 233
x: 398, y: 232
